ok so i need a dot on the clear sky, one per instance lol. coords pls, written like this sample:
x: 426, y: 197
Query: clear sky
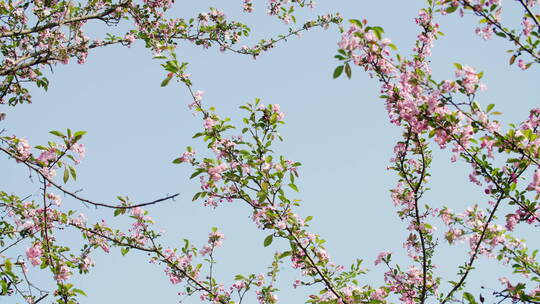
x: 338, y: 129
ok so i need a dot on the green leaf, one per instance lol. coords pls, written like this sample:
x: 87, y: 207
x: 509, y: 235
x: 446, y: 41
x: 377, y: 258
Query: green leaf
x: 79, y: 133
x: 73, y: 172
x: 268, y: 240
x: 4, y: 287
x: 284, y: 254
x: 165, y: 81
x: 469, y: 297
x: 490, y: 107
x: 348, y: 70
x: 451, y: 9
x: 57, y: 133
x: 458, y: 66
x: 76, y: 290
x: 356, y: 22
x: 66, y: 175
x: 195, y: 174
x: 338, y: 71
x: 293, y: 186
x: 8, y: 264
x: 177, y: 161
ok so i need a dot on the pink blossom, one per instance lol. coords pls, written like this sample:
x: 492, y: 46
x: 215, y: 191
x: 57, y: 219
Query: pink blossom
x: 198, y: 96
x: 215, y: 172
x: 248, y: 6
x: 34, y: 254
x: 535, y: 184
x: 137, y: 212
x: 63, y: 273
x: 55, y: 198
x: 379, y: 294
x: 470, y: 79
x: 239, y: 285
x: 79, y: 149
x: 216, y: 238
x: 23, y: 148
x: 209, y: 123
x: 130, y: 38
x: 527, y: 27
x: 382, y: 256
x: 87, y: 262
x: 521, y: 64
x: 485, y: 32
x: 48, y: 173
x: 188, y: 156
x: 446, y: 216
x: 47, y: 156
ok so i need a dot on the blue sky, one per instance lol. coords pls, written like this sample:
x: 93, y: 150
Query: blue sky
x: 338, y: 129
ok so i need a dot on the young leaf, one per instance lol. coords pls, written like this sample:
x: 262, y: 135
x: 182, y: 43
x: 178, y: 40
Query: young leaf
x: 57, y: 133
x: 348, y: 70
x: 469, y: 297
x: 293, y: 186
x: 268, y: 240
x: 165, y: 81
x: 338, y: 71
x: 73, y: 172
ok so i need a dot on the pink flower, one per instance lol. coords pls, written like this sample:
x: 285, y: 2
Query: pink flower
x: 239, y: 285
x: 187, y: 157
x: 63, y: 273
x: 48, y: 173
x: 485, y: 32
x: 130, y: 38
x: 55, y: 198
x: 382, y: 256
x: 79, y: 149
x: 137, y: 212
x: 446, y: 216
x: 535, y: 184
x: 522, y: 65
x: 216, y: 238
x: 209, y: 123
x: 379, y: 294
x: 87, y: 262
x: 248, y: 6
x: 215, y: 172
x: 23, y: 148
x: 527, y: 27
x: 198, y: 96
x: 105, y: 247
x: 47, y: 156
x: 470, y: 79
x: 34, y: 254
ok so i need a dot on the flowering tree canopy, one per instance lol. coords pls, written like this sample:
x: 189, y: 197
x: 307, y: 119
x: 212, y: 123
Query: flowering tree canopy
x: 242, y: 165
